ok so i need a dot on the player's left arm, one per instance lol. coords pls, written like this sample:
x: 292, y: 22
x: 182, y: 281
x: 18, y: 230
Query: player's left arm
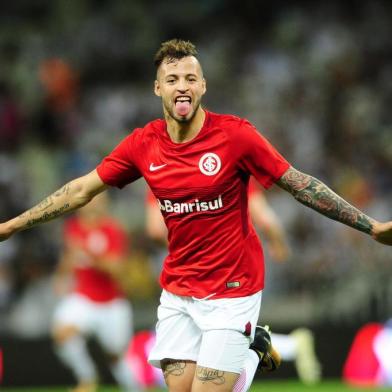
x: 315, y: 194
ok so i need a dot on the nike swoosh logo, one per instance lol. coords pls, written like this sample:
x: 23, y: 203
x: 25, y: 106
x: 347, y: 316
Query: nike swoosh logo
x: 154, y: 168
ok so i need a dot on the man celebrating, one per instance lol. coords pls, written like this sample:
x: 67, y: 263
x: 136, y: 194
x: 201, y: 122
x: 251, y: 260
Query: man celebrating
x: 198, y: 165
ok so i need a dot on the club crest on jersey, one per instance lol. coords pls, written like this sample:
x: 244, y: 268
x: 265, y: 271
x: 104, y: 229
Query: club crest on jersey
x: 210, y: 164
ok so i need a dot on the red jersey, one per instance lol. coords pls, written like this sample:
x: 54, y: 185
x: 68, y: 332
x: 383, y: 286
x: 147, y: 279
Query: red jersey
x: 202, y: 189
x: 107, y: 238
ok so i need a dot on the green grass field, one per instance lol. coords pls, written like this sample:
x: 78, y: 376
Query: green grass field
x: 267, y: 386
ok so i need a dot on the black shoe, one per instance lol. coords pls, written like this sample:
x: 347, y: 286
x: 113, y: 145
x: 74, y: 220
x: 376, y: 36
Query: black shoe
x: 269, y: 357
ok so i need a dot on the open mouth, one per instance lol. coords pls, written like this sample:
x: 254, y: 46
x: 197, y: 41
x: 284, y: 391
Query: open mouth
x: 183, y: 105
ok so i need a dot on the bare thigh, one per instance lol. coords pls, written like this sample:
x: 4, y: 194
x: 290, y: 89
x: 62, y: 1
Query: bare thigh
x: 213, y: 380
x: 178, y: 374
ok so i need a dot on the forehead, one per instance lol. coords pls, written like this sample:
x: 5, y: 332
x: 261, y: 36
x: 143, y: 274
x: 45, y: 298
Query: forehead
x: 185, y: 66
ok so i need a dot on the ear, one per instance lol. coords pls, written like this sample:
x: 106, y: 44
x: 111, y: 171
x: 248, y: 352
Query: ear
x: 157, y: 89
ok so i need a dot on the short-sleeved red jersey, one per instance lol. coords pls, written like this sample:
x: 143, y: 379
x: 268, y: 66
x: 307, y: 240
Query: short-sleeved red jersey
x: 202, y: 190
x: 106, y: 239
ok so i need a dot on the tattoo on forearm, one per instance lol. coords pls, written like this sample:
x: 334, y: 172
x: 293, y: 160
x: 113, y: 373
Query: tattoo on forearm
x: 44, y: 205
x: 173, y: 368
x: 61, y: 191
x: 313, y: 193
x: 210, y: 375
x: 47, y: 216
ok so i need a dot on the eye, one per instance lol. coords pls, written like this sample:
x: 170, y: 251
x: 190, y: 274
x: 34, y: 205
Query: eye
x: 170, y: 81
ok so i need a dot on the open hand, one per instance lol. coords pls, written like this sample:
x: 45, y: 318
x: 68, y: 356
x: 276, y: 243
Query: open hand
x: 5, y: 232
x: 382, y: 232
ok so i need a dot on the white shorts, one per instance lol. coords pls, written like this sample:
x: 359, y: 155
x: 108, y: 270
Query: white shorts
x: 215, y: 333
x: 110, y: 322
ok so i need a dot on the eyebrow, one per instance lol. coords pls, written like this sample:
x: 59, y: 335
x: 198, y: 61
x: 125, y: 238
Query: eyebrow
x: 176, y: 75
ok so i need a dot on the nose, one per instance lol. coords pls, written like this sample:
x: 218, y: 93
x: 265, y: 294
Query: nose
x: 182, y: 85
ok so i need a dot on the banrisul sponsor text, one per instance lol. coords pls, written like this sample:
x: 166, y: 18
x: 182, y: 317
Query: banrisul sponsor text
x: 194, y: 206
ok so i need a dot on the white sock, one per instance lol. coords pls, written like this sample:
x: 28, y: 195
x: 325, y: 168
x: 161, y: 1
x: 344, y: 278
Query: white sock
x: 246, y: 377
x: 74, y: 354
x: 122, y: 373
x: 286, y: 346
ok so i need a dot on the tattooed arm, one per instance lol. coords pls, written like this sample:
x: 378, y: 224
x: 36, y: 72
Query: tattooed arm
x: 71, y: 196
x: 314, y: 194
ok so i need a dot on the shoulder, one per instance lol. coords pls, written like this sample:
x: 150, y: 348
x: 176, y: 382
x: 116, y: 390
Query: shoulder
x: 141, y: 135
x: 231, y: 124
x: 154, y: 125
x: 225, y: 120
x: 152, y: 128
x: 238, y: 131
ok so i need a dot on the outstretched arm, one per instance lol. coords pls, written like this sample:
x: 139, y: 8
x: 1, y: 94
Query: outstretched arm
x: 70, y: 197
x: 314, y: 194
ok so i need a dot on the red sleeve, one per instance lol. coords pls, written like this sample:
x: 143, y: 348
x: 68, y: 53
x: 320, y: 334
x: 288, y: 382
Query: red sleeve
x: 119, y: 167
x: 257, y: 157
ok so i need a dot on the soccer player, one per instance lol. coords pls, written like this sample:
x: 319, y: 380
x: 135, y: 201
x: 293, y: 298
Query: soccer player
x: 198, y: 165
x: 92, y: 263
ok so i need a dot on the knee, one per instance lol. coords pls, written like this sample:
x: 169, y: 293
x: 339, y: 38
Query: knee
x: 64, y: 333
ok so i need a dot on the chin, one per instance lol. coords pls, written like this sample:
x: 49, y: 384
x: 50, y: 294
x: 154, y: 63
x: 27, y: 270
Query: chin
x: 187, y: 118
x: 183, y: 119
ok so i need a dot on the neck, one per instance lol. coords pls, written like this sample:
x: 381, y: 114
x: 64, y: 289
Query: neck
x: 181, y: 132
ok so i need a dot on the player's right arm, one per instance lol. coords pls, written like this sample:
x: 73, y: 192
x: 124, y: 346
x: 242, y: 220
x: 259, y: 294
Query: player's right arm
x: 71, y: 196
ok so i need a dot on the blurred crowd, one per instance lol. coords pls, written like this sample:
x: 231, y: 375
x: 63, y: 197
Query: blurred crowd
x: 76, y: 77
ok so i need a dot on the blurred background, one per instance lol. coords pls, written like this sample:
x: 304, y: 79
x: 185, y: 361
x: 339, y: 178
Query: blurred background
x: 315, y: 78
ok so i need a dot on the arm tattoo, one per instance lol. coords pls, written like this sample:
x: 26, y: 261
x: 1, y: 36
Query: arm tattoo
x: 46, y: 216
x: 42, y: 206
x: 63, y: 190
x: 45, y: 204
x: 314, y: 194
x: 173, y: 368
x: 206, y: 374
x: 41, y: 212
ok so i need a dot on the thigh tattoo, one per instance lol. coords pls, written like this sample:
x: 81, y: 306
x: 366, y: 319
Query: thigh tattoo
x: 206, y: 374
x: 173, y: 368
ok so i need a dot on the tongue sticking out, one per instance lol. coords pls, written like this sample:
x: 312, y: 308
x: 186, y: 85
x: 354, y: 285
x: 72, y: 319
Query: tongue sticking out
x: 183, y: 108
